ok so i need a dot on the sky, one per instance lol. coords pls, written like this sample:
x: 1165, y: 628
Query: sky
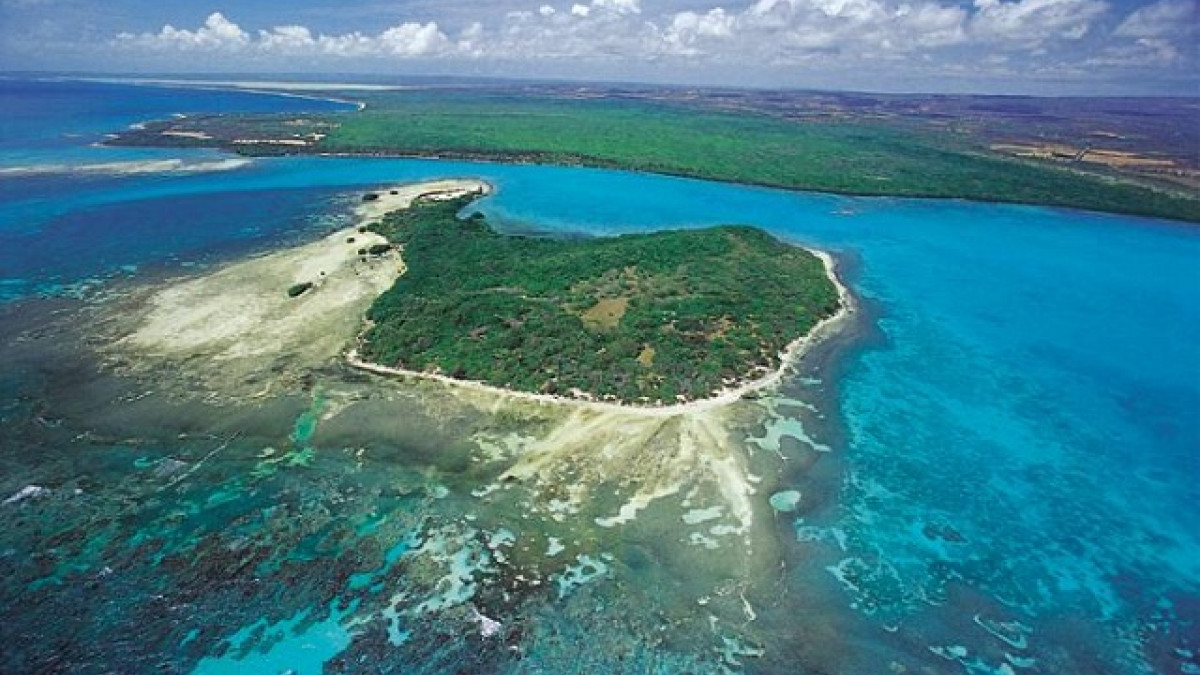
x: 1049, y: 47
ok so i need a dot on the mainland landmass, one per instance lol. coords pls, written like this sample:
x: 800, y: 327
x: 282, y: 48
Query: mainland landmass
x: 648, y: 319
x: 1137, y: 156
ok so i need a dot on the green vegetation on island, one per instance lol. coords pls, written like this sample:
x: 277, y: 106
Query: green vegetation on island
x: 860, y: 156
x: 296, y: 290
x: 822, y: 145
x: 637, y: 318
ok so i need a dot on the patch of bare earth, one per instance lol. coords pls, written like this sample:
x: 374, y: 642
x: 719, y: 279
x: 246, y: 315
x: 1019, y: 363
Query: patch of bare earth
x: 605, y: 314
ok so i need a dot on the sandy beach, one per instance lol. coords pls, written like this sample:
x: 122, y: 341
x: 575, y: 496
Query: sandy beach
x: 238, y: 326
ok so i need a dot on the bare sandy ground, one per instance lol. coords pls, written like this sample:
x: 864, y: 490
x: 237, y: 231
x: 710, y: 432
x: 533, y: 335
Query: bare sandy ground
x: 238, y: 325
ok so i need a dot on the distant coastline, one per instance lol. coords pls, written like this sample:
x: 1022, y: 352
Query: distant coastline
x: 539, y: 159
x: 837, y: 151
x: 593, y: 163
x: 273, y: 88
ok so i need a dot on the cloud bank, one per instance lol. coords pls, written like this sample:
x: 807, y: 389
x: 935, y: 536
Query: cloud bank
x: 1014, y: 38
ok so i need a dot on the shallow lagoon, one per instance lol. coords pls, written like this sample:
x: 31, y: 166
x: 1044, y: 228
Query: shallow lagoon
x: 997, y: 468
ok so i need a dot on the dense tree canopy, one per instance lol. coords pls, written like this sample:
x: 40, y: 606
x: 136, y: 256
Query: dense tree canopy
x: 638, y: 318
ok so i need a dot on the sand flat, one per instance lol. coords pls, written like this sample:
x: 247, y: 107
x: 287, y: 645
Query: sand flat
x: 240, y: 319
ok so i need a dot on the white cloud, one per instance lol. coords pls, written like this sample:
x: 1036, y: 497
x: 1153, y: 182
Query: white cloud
x: 470, y: 41
x: 933, y: 25
x: 413, y: 39
x: 406, y: 40
x: 768, y: 31
x: 688, y: 27
x: 1161, y: 34
x: 217, y: 33
x: 618, y: 6
x: 349, y: 45
x: 287, y: 39
x: 1030, y: 23
x: 785, y: 30
x: 1008, y: 37
x: 1165, y: 18
x: 1141, y: 53
x: 782, y: 31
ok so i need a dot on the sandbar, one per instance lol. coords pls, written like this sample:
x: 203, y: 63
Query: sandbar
x: 239, y: 325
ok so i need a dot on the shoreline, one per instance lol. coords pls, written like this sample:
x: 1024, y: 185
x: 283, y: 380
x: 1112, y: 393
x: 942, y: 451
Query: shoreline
x: 792, y: 354
x: 318, y: 91
x: 252, y: 324
x: 484, y: 158
x: 241, y: 325
x: 587, y: 162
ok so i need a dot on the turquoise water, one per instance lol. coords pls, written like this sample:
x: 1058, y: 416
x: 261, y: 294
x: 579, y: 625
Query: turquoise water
x: 1015, y: 434
x: 58, y: 122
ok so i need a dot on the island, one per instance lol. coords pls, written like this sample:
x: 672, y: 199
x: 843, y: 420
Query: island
x: 420, y: 286
x: 639, y: 319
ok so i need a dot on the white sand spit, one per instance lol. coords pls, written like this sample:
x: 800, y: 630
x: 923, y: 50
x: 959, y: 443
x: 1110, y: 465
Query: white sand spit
x: 239, y: 324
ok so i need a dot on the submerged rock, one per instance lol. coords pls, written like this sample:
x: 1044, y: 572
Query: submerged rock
x: 27, y: 492
x: 487, y: 626
x: 168, y: 467
x: 299, y: 289
x: 785, y: 501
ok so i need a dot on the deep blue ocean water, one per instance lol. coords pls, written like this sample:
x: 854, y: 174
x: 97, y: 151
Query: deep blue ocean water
x: 1021, y: 450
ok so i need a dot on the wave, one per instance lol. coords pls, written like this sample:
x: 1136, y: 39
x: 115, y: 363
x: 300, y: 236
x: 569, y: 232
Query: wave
x: 129, y: 167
